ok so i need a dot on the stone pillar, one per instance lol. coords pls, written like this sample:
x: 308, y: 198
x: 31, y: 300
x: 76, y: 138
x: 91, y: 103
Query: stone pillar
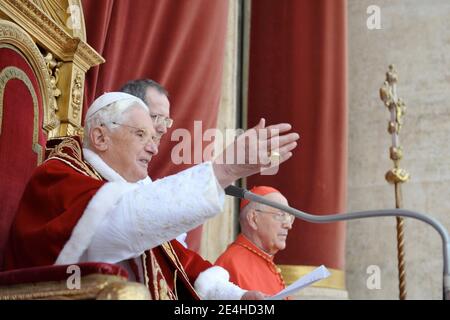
x: 414, y: 36
x: 221, y: 230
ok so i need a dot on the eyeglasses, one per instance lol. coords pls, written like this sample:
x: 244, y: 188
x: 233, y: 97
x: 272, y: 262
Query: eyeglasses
x: 142, y: 135
x: 283, y: 217
x: 158, y: 120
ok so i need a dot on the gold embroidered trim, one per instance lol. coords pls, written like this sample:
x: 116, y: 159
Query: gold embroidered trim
x: 144, y: 268
x: 175, y: 284
x: 167, y: 246
x: 155, y: 269
x: 75, y: 161
x: 161, y: 290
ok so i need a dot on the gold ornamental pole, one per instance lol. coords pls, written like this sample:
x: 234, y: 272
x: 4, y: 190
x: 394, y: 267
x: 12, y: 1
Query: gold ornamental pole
x: 396, y: 176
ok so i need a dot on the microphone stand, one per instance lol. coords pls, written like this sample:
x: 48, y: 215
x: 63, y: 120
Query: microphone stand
x: 245, y: 194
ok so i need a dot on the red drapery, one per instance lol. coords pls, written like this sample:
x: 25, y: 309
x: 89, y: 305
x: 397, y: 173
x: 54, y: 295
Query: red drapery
x: 178, y: 43
x: 298, y: 75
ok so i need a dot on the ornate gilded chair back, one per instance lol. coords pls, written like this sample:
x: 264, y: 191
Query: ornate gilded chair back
x: 43, y: 61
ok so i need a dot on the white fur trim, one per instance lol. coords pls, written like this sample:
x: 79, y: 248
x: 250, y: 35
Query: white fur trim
x: 100, y: 205
x: 214, y: 284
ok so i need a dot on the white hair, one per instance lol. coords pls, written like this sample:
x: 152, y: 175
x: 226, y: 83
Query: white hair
x: 113, y: 112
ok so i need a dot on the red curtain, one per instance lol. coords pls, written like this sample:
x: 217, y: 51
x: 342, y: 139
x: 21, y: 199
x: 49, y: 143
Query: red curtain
x: 178, y: 43
x: 298, y: 74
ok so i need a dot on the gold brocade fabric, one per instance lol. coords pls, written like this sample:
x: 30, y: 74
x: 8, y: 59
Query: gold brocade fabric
x: 69, y: 151
x: 165, y: 274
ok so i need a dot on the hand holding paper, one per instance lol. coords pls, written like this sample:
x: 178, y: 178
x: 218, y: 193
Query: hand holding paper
x: 308, y: 279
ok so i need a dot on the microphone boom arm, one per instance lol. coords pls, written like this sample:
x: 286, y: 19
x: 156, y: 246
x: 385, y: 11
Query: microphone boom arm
x: 242, y: 193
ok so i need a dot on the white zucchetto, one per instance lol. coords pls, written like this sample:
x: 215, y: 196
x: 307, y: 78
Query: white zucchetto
x: 108, y: 98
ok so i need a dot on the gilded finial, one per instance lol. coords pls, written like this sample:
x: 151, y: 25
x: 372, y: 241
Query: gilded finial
x: 397, y: 175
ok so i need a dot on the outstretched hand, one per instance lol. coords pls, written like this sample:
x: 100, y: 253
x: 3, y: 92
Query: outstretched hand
x: 258, y: 149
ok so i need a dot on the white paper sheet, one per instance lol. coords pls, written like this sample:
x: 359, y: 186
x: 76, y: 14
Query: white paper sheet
x: 317, y: 274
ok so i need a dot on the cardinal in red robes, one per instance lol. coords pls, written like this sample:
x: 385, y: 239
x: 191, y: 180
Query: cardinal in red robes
x: 249, y: 259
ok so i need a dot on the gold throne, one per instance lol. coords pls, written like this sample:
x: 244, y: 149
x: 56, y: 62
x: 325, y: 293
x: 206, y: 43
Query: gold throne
x: 43, y: 61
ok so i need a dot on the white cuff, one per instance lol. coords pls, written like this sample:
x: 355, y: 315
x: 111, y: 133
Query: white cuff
x: 214, y: 284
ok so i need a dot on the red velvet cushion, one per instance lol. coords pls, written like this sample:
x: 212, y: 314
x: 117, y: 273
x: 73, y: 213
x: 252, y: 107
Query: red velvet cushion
x: 58, y: 273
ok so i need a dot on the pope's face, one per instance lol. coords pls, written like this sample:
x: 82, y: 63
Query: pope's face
x: 272, y: 232
x: 131, y: 145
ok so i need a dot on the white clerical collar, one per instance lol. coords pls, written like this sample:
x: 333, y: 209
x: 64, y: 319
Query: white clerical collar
x: 106, y: 171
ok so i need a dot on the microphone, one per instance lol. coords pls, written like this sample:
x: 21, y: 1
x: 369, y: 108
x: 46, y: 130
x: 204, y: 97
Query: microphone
x: 235, y: 191
x: 245, y: 194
